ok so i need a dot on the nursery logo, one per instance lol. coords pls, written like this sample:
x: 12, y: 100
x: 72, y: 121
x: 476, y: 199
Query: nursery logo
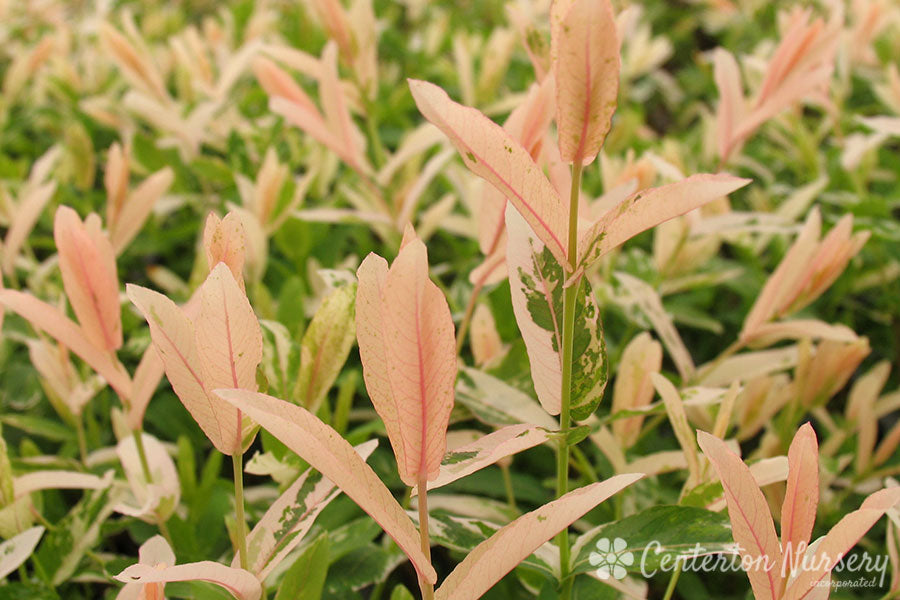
x: 610, y: 558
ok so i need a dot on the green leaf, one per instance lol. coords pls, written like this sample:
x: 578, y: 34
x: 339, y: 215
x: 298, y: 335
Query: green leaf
x: 45, y: 428
x: 362, y: 568
x: 401, y: 593
x: 325, y: 346
x: 352, y: 536
x: 494, y: 402
x: 305, y: 579
x: 26, y: 591
x: 657, y: 532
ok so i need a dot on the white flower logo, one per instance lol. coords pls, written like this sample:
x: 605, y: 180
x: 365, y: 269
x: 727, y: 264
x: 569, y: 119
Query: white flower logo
x: 610, y: 558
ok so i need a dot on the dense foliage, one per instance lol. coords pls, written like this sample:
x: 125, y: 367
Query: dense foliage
x: 609, y: 271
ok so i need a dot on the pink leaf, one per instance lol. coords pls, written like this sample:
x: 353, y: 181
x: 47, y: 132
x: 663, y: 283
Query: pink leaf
x: 751, y: 521
x: 798, y: 512
x: 493, y: 154
x: 840, y: 540
x: 146, y: 379
x: 486, y: 451
x: 337, y: 115
x: 732, y: 106
x: 27, y: 213
x: 229, y: 340
x: 276, y: 82
x: 645, y: 209
x: 242, y: 584
x: 224, y: 241
x: 66, y: 332
x: 407, y: 347
x: 88, y: 267
x: 173, y: 335
x: 330, y: 454
x: 500, y: 553
x: 137, y: 208
x: 587, y: 78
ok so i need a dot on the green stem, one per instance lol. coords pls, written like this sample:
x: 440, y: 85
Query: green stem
x: 673, y: 582
x: 427, y: 588
x: 508, y: 485
x: 237, y: 460
x: 164, y: 530
x: 142, y: 454
x: 374, y: 139
x: 467, y: 317
x: 568, y: 335
x: 82, y: 442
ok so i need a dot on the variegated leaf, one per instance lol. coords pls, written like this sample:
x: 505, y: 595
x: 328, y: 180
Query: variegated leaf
x: 536, y: 283
x: 290, y: 517
x: 325, y: 345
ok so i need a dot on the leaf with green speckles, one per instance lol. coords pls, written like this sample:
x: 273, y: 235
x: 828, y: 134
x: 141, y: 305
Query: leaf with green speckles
x: 290, y: 517
x: 536, y: 284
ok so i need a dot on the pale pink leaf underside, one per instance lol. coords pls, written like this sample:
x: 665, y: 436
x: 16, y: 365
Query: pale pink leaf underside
x: 229, y: 340
x: 27, y: 213
x: 326, y: 451
x: 486, y: 451
x: 137, y: 208
x: 173, y: 335
x: 587, y: 78
x: 65, y: 331
x: 645, y: 209
x: 840, y: 540
x: 411, y: 378
x: 493, y: 154
x: 89, y: 276
x: 751, y: 521
x: 224, y: 240
x: 798, y: 512
x: 499, y: 554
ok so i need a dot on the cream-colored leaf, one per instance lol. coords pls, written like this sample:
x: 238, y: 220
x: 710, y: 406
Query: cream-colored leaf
x: 486, y: 451
x: 16, y: 550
